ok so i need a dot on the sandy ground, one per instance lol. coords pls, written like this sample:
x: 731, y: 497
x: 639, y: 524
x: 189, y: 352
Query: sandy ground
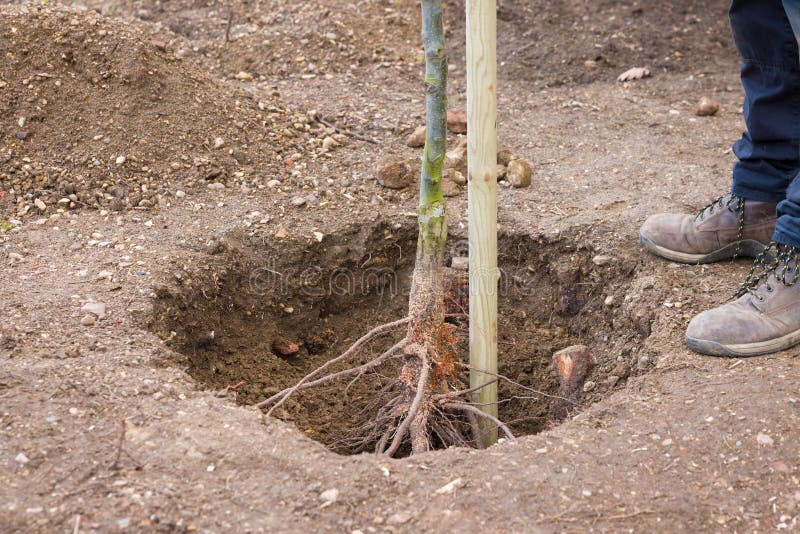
x: 103, y: 430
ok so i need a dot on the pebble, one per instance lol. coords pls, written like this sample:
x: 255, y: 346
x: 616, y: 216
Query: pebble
x: 601, y: 260
x: 273, y: 183
x: 460, y: 263
x: 764, y: 439
x: 21, y: 458
x: 417, y: 138
x: 643, y: 362
x: 504, y: 156
x: 396, y: 173
x: 329, y: 496
x: 14, y: 257
x: 589, y: 386
x: 707, y: 107
x: 519, y: 173
x: 219, y: 142
x: 454, y: 176
x: 216, y: 185
x: 329, y: 143
x: 450, y: 185
x: 96, y: 308
x: 400, y: 518
x: 456, y: 158
x: 40, y: 205
x: 457, y: 121
x: 298, y: 201
x: 88, y: 320
x: 612, y: 380
x: 180, y: 194
x: 609, y: 300
x: 120, y: 160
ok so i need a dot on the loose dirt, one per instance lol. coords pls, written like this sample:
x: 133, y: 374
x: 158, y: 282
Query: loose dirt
x: 138, y: 422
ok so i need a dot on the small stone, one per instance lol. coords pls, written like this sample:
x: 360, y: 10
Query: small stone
x: 456, y: 158
x: 612, y: 380
x: 396, y: 173
x: 706, y: 107
x: 643, y: 362
x: 284, y: 348
x: 329, y: 143
x: 219, y: 142
x: 40, y: 205
x: 589, y: 386
x: 281, y: 232
x: 96, y: 308
x: 764, y: 439
x: 319, y: 236
x: 88, y: 320
x: 120, y: 160
x: 609, y: 300
x: 601, y: 260
x: 500, y: 172
x: 519, y: 173
x: 244, y: 76
x: 452, y: 182
x: 273, y: 184
x: 457, y: 121
x: 417, y: 138
x: 329, y: 496
x: 14, y: 257
x: 454, y: 176
x: 216, y: 185
x: 400, y: 518
x: 460, y: 263
x: 451, y: 486
x: 504, y: 156
x: 21, y: 458
x: 298, y: 201
x: 180, y: 194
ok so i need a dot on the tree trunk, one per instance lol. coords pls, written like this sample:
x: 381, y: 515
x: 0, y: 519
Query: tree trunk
x: 426, y: 302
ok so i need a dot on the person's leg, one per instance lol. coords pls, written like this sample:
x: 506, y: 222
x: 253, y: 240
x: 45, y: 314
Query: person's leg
x: 766, y: 316
x: 769, y: 151
x: 741, y: 224
x: 787, y: 229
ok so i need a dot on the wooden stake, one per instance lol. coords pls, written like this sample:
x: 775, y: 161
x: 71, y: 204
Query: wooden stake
x: 482, y: 162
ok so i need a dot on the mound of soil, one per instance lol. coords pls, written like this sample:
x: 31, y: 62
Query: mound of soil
x: 97, y: 113
x: 280, y: 38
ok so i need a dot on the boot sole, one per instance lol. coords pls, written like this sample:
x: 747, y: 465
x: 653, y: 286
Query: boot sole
x: 743, y: 350
x: 747, y: 247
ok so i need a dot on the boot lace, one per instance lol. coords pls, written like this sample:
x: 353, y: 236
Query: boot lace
x: 733, y: 203
x: 777, y: 259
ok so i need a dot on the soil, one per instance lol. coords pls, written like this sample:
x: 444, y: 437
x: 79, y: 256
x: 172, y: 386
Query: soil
x: 139, y: 421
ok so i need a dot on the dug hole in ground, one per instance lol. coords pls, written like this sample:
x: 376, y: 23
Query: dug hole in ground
x: 177, y: 169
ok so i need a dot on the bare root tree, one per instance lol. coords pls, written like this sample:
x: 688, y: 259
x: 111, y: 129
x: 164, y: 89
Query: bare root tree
x: 427, y: 404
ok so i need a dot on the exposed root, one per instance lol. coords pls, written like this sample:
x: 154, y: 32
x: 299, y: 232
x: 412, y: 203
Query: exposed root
x: 281, y: 397
x: 412, y: 411
x: 463, y: 406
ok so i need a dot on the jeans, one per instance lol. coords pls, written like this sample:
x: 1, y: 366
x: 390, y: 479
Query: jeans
x: 766, y: 34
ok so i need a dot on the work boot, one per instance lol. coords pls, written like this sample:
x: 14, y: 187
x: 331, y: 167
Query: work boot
x: 764, y: 318
x: 728, y: 227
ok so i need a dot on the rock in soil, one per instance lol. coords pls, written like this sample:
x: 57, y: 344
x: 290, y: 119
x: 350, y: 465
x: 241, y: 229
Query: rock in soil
x: 707, y: 107
x: 456, y: 158
x: 397, y: 173
x: 417, y: 138
x: 504, y: 156
x: 88, y: 320
x: 452, y: 183
x: 457, y: 121
x: 284, y: 348
x: 572, y: 366
x: 519, y: 173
